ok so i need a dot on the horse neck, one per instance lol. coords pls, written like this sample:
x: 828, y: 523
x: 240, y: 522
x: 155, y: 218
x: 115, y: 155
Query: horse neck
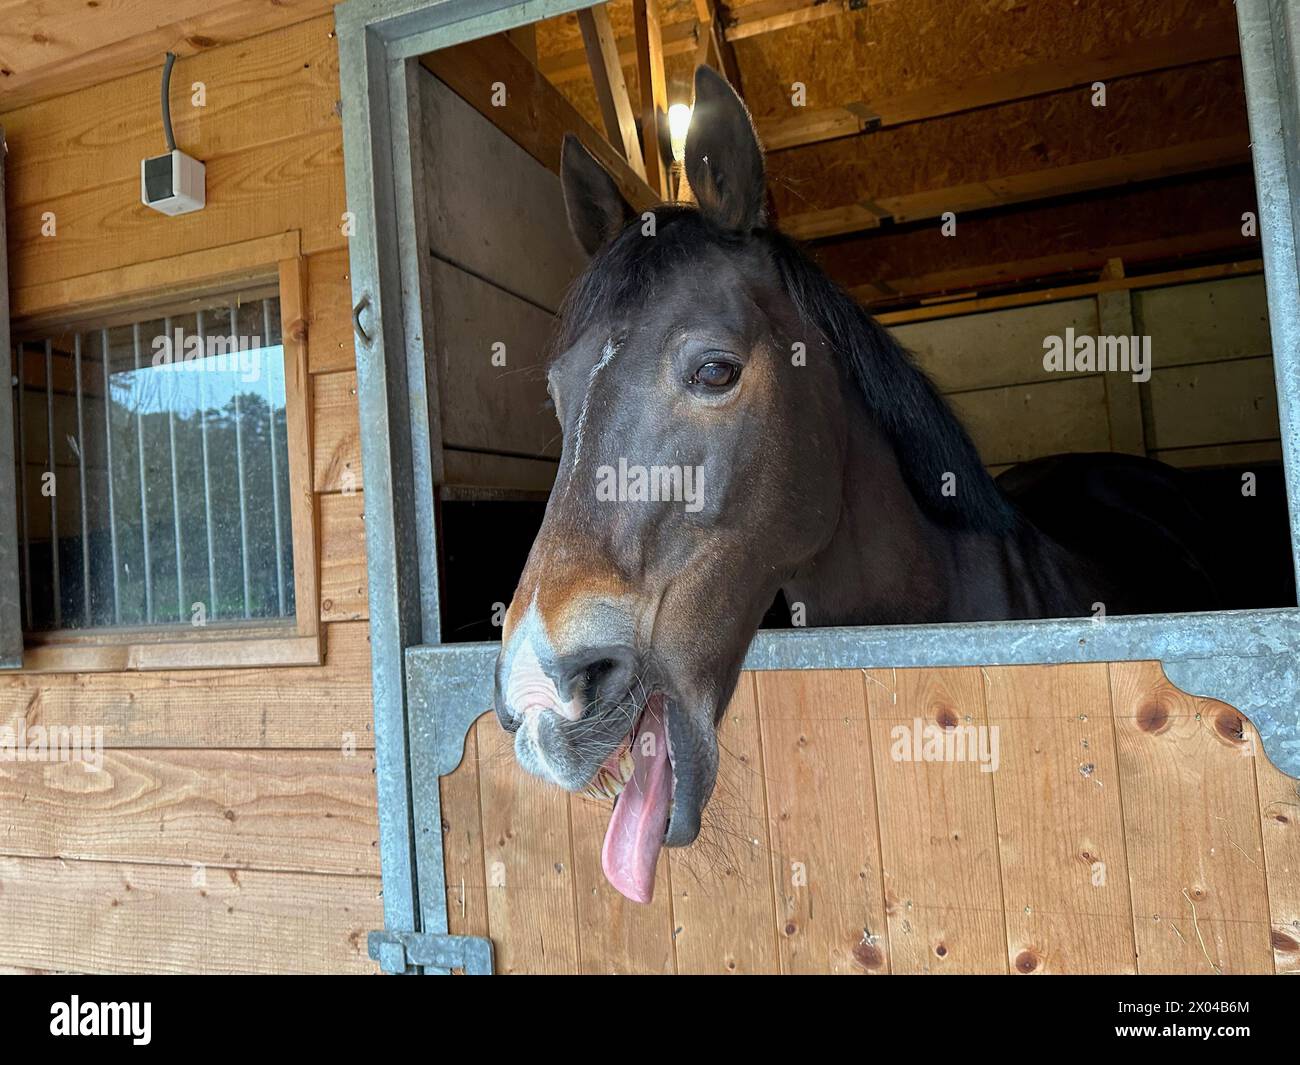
x: 889, y: 562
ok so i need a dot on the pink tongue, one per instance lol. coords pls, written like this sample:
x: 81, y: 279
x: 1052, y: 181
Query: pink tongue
x: 640, y: 817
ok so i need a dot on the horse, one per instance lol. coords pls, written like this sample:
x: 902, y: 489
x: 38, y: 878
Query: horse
x: 735, y: 427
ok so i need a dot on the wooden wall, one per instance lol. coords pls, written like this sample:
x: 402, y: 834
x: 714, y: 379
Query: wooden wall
x: 1128, y: 828
x: 1211, y: 398
x: 501, y: 259
x: 234, y: 825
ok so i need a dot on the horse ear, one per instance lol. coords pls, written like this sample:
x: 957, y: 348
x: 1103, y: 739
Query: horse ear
x: 597, y: 211
x: 724, y: 162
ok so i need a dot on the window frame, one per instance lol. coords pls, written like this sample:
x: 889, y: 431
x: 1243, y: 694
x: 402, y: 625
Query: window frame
x: 222, y: 644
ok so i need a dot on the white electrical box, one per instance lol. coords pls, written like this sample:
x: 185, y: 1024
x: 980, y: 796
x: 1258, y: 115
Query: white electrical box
x: 173, y: 183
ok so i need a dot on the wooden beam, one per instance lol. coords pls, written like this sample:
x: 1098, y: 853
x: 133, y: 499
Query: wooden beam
x: 1143, y: 56
x: 654, y: 90
x: 682, y: 37
x: 611, y: 87
x: 541, y: 116
x: 1066, y: 292
x: 1020, y: 188
x: 1081, y: 261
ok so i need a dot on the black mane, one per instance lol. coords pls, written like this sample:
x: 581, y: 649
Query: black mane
x: 928, y: 439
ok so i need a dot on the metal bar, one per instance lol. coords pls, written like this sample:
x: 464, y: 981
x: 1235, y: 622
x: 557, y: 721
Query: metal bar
x: 1271, y: 70
x: 81, y: 473
x: 56, y: 596
x: 232, y: 350
x: 207, y: 481
x: 391, y: 550
x: 176, y: 491
x: 275, y: 464
x: 144, y: 491
x: 112, y: 508
x: 22, y: 492
x: 11, y: 577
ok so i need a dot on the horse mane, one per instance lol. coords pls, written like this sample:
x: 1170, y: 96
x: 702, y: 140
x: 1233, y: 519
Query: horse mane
x: 928, y: 440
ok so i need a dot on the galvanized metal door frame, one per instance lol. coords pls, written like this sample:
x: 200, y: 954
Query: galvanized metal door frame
x: 427, y: 694
x: 11, y: 623
x: 379, y: 44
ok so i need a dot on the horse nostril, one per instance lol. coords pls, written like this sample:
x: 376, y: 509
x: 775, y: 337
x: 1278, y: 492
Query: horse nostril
x: 603, y: 673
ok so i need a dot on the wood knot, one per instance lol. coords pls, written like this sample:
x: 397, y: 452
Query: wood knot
x: 1230, y: 725
x: 199, y: 41
x: 791, y: 928
x: 1284, y: 942
x: 1026, y: 962
x: 868, y: 956
x: 1153, y: 716
x: 941, y: 951
x: 946, y: 717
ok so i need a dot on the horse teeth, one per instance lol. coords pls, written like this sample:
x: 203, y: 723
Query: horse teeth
x: 625, y: 766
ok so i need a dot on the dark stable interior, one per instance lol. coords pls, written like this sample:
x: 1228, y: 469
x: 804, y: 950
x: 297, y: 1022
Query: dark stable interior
x: 485, y: 544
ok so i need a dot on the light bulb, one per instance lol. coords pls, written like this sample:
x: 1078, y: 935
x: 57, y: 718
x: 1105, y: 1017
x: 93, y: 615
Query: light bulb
x: 679, y: 121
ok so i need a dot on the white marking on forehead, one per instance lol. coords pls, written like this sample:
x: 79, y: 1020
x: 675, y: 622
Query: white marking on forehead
x: 606, y: 357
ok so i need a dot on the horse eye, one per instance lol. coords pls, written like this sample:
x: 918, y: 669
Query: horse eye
x: 716, y: 375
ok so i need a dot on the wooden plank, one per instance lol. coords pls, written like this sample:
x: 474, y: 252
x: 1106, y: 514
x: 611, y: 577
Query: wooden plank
x: 125, y: 37
x: 1206, y: 322
x: 1192, y: 826
x: 1214, y: 403
x: 615, y: 935
x: 343, y: 557
x: 288, y: 185
x: 1022, y: 422
x: 462, y: 842
x: 298, y: 445
x: 939, y: 836
x: 1082, y: 261
x: 1123, y: 394
x: 825, y: 840
x: 467, y: 471
x: 307, y: 706
x: 528, y: 856
x: 724, y: 910
x: 539, y: 126
x: 680, y: 38
x: 260, y: 649
x: 1222, y: 455
x: 145, y: 282
x: 611, y: 87
x: 1279, y: 808
x: 1138, y: 56
x: 1060, y: 820
x: 652, y: 87
x: 330, y: 343
x: 304, y: 811
x: 277, y: 88
x: 487, y: 406
x: 1021, y: 188
x: 115, y: 917
x: 1049, y: 295
x: 492, y: 209
x: 997, y: 348
x: 336, y: 433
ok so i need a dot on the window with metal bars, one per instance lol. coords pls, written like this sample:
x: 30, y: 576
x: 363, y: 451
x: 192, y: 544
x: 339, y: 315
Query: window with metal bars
x: 153, y: 475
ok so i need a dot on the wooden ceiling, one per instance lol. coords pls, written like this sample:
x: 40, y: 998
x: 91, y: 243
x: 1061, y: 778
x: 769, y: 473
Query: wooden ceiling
x: 982, y: 107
